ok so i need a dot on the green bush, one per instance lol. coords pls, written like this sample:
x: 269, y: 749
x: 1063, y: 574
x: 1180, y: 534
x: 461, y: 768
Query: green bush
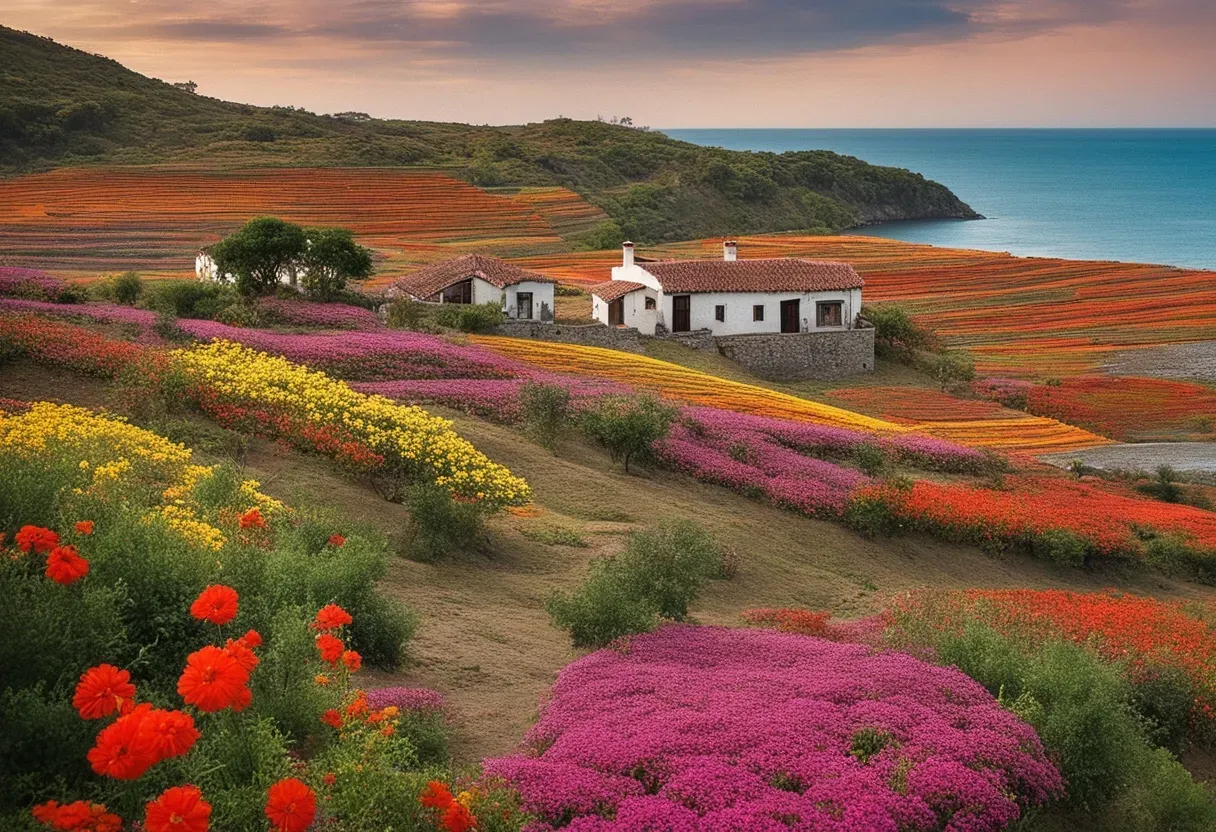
x: 869, y: 459
x: 440, y: 524
x: 950, y: 367
x: 127, y: 287
x: 1060, y: 546
x: 190, y: 298
x: 545, y: 409
x: 406, y: 313
x: 627, y: 426
x: 471, y: 317
x: 658, y: 575
x: 896, y: 335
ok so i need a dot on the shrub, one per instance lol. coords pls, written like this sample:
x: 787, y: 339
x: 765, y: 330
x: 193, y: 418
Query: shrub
x: 439, y: 523
x: 895, y: 333
x: 545, y: 409
x: 238, y: 314
x: 127, y: 288
x: 406, y: 313
x: 1165, y: 487
x: 471, y: 317
x: 950, y: 367
x: 190, y: 298
x: 604, y: 609
x: 869, y: 459
x: 627, y: 426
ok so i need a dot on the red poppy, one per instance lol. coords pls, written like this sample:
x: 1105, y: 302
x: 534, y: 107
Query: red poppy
x: 332, y: 718
x: 331, y: 617
x: 290, y: 805
x: 217, y: 604
x: 179, y: 809
x: 79, y: 816
x: 336, y: 540
x: 169, y: 733
x: 212, y: 680
x: 436, y: 795
x: 64, y: 566
x: 84, y: 527
x: 352, y: 660
x: 252, y: 519
x: 457, y: 818
x: 244, y: 698
x: 245, y: 657
x: 331, y: 648
x: 123, y: 751
x: 36, y: 539
x: 252, y: 639
x: 102, y: 690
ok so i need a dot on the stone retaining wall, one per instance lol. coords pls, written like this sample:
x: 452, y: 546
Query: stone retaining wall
x: 801, y: 356
x: 589, y: 335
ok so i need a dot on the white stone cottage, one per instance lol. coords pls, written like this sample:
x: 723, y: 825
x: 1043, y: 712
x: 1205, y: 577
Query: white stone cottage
x: 729, y: 296
x: 206, y: 269
x: 478, y: 278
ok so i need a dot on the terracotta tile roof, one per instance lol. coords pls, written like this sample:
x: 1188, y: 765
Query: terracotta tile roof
x: 613, y: 289
x: 436, y: 277
x: 785, y: 274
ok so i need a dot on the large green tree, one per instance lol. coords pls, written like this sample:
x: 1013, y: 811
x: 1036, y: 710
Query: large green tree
x: 259, y: 252
x: 332, y: 257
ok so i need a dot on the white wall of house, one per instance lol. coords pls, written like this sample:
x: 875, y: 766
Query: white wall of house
x: 636, y: 313
x: 739, y: 310
x: 205, y: 269
x: 541, y: 293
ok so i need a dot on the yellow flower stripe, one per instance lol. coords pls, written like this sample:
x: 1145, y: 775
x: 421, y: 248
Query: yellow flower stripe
x: 403, y: 435
x: 678, y: 382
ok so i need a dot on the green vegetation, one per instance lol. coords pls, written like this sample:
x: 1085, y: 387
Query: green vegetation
x: 440, y: 524
x: 265, y: 249
x: 471, y: 317
x: 627, y: 426
x: 62, y: 106
x: 545, y: 409
x: 659, y: 575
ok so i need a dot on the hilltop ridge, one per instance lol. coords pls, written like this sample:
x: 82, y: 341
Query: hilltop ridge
x: 61, y: 107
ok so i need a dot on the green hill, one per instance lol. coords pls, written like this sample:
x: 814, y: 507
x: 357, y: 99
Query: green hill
x: 61, y: 106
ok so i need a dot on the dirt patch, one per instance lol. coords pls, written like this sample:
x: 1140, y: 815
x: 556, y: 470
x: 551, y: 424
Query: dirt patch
x: 29, y: 382
x: 1198, y: 457
x: 1195, y: 361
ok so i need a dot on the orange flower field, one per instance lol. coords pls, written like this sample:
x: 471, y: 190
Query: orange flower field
x: 1128, y: 407
x: 910, y: 405
x: 86, y: 221
x: 1018, y: 433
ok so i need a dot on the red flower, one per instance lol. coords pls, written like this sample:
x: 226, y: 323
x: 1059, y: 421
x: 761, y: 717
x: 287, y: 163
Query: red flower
x: 252, y: 639
x: 102, y: 690
x: 358, y: 707
x: 245, y: 657
x: 332, y: 718
x: 331, y: 648
x: 352, y: 660
x: 122, y: 750
x: 290, y: 805
x: 64, y: 566
x: 252, y: 519
x: 436, y: 795
x: 336, y: 540
x: 331, y: 617
x: 217, y: 604
x: 329, y: 779
x: 244, y: 698
x: 84, y: 527
x: 179, y: 809
x: 169, y: 733
x: 456, y: 818
x: 78, y: 816
x: 36, y: 539
x: 212, y: 680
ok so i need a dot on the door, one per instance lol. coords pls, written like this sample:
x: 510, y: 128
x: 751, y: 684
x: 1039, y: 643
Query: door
x: 681, y: 313
x: 616, y: 312
x: 523, y: 305
x: 790, y: 316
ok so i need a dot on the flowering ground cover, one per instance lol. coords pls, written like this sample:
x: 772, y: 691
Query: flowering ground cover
x: 65, y: 345
x: 319, y: 315
x: 910, y: 405
x: 101, y: 312
x: 32, y: 284
x: 701, y: 728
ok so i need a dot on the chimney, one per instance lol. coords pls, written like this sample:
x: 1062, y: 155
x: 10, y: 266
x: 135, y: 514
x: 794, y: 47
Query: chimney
x: 627, y: 250
x: 730, y: 251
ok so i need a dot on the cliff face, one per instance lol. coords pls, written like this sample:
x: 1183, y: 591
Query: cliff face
x: 60, y: 106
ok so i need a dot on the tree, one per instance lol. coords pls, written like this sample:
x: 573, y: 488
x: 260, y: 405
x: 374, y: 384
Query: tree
x: 895, y: 333
x: 259, y: 253
x: 186, y: 86
x: 332, y: 257
x: 628, y: 426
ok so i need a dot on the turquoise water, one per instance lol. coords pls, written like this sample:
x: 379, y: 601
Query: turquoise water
x: 1144, y: 196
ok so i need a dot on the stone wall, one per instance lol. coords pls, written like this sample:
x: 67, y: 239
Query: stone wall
x: 800, y: 356
x: 589, y: 335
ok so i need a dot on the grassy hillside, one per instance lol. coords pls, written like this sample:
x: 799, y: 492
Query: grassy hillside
x: 60, y: 106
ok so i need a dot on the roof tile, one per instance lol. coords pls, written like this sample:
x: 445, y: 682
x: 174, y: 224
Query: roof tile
x: 784, y: 274
x: 612, y: 289
x: 436, y: 277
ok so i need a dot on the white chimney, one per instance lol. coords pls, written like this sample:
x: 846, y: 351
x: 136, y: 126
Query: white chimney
x: 730, y: 250
x: 627, y: 249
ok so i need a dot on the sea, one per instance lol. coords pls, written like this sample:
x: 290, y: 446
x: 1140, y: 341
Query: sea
x: 1135, y: 195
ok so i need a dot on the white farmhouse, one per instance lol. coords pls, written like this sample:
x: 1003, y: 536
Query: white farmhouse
x: 206, y: 269
x: 478, y: 278
x: 729, y: 296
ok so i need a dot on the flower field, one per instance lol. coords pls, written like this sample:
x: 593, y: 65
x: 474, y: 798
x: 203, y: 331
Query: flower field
x: 320, y: 315
x: 83, y: 222
x: 1019, y: 316
x: 1031, y: 434
x: 708, y: 728
x: 565, y: 211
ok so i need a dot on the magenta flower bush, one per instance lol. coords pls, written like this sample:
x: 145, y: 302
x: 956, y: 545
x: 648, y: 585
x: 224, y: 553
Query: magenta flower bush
x: 102, y: 312
x: 321, y: 315
x: 493, y: 399
x: 33, y: 284
x: 708, y: 729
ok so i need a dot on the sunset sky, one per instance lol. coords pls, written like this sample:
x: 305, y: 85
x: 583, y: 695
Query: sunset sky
x: 674, y: 63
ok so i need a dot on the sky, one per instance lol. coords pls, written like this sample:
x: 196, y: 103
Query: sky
x: 674, y: 63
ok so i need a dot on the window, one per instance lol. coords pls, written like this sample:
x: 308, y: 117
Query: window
x: 758, y: 312
x: 829, y: 313
x: 720, y: 313
x: 650, y: 303
x: 461, y: 292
